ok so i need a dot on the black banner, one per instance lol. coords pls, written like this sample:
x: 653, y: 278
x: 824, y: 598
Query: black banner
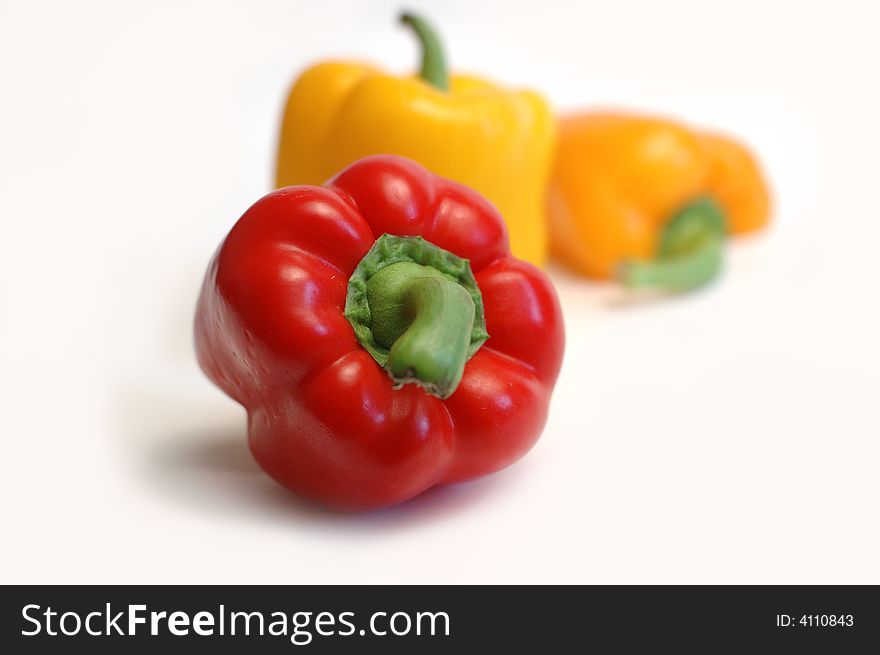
x: 279, y: 619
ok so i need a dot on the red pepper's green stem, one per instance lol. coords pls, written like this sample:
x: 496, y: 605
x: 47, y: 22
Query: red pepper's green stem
x: 434, y: 70
x: 425, y: 320
x: 418, y: 311
x: 690, y: 252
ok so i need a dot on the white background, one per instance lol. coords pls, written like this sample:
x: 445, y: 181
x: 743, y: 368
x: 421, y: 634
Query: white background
x: 729, y: 436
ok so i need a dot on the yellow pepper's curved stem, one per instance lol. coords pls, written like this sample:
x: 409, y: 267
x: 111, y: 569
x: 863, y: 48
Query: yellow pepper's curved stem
x: 434, y: 70
x: 690, y: 252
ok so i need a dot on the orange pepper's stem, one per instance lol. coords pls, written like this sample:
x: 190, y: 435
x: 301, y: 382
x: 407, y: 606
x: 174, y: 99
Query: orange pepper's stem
x: 434, y: 70
x: 690, y: 252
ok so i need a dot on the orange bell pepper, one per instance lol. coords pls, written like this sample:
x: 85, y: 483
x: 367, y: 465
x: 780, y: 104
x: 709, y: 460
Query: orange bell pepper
x: 648, y: 201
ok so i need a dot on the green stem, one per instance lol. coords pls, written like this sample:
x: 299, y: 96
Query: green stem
x: 434, y: 70
x: 690, y: 252
x: 417, y: 310
x: 425, y: 320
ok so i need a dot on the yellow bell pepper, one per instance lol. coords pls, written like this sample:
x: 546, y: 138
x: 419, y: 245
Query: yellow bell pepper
x: 497, y: 142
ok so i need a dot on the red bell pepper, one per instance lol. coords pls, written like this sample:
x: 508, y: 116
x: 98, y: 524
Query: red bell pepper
x: 357, y: 347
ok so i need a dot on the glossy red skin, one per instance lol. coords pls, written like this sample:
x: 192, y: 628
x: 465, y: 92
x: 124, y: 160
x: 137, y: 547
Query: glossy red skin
x: 323, y: 419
